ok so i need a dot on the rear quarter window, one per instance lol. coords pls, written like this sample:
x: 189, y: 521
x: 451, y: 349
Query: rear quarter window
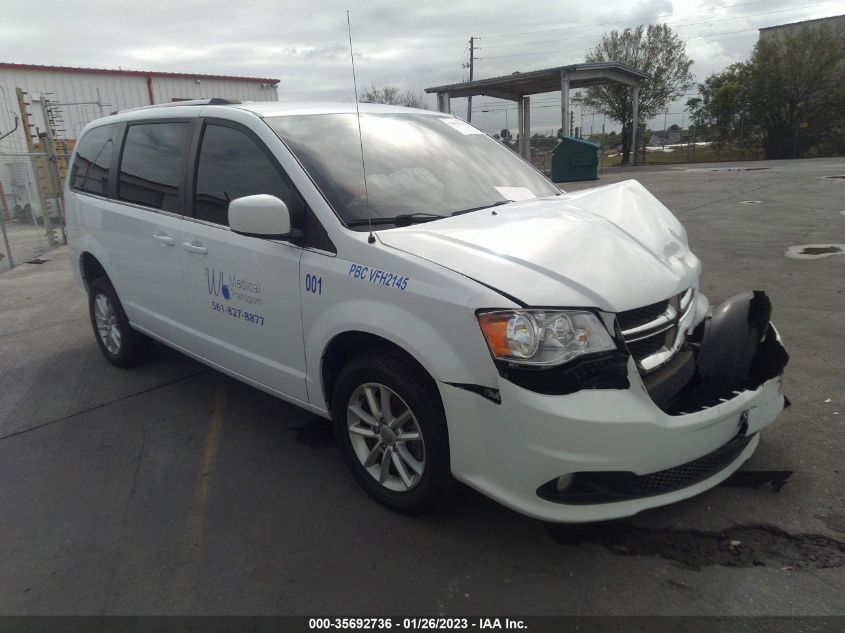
x: 92, y: 163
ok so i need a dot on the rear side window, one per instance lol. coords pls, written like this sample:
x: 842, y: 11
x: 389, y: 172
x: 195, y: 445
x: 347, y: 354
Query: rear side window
x: 90, y: 170
x: 231, y: 165
x: 151, y: 167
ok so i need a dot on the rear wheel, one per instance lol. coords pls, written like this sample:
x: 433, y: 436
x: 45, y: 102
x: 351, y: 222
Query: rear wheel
x: 120, y: 344
x: 390, y: 423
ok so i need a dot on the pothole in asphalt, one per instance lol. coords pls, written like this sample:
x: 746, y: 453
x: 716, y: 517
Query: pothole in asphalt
x: 739, y: 546
x: 751, y: 202
x: 814, y: 251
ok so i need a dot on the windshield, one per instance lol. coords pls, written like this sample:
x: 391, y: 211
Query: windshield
x: 416, y: 164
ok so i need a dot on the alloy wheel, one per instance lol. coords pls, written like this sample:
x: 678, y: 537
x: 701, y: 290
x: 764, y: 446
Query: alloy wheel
x: 107, y: 325
x: 386, y: 437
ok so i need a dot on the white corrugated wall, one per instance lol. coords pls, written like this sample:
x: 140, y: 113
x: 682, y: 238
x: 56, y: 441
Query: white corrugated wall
x: 168, y: 88
x: 79, y: 93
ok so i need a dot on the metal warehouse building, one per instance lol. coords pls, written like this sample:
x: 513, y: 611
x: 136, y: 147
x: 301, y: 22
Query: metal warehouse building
x: 45, y: 107
x: 98, y: 91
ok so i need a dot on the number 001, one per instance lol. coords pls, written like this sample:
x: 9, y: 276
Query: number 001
x: 314, y: 284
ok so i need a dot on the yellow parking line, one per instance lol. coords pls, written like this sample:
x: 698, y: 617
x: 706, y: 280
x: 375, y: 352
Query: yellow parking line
x: 199, y: 509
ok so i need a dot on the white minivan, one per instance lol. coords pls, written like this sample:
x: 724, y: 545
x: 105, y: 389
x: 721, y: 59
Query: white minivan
x: 453, y: 312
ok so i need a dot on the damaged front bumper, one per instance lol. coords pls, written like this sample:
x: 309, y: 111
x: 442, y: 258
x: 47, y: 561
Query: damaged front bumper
x: 662, y: 438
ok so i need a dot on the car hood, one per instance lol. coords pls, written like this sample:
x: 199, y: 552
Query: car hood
x: 614, y: 247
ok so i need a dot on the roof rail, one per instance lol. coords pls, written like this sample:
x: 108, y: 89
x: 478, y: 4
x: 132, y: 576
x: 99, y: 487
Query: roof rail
x: 186, y: 102
x: 190, y: 102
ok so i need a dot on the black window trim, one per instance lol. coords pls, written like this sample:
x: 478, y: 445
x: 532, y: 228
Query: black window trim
x: 193, y: 167
x: 185, y: 181
x: 119, y: 136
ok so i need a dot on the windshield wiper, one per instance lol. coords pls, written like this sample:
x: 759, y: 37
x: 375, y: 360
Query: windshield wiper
x: 403, y: 219
x: 486, y: 206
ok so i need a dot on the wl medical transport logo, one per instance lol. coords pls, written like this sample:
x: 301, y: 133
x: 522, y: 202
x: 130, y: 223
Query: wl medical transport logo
x: 233, y: 287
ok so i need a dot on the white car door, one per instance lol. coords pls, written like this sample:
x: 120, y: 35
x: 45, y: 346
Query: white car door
x: 143, y: 226
x: 243, y: 292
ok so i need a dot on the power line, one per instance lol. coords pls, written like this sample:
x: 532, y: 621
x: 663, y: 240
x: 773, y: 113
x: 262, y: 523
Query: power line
x: 575, y: 50
x: 674, y: 26
x: 640, y: 19
x: 458, y: 75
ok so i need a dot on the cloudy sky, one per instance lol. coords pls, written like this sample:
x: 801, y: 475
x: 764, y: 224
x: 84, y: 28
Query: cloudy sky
x: 409, y: 44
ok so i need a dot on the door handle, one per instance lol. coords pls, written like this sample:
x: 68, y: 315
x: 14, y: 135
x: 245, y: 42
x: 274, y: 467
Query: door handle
x: 195, y: 247
x: 164, y: 239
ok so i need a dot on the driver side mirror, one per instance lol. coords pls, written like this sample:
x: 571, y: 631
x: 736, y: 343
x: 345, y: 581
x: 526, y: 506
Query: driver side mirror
x: 261, y: 215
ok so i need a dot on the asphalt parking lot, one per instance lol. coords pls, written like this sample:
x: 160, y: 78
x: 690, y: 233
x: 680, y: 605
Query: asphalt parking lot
x: 171, y: 488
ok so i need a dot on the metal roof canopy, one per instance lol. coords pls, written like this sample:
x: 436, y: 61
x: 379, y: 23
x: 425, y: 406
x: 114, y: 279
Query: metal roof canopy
x: 519, y: 86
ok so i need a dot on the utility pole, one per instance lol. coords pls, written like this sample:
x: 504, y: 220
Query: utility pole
x: 32, y: 148
x: 694, y: 130
x: 54, y: 174
x: 602, y: 157
x: 4, y: 215
x: 470, y: 66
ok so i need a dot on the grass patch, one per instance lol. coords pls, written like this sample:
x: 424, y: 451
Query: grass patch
x: 702, y: 154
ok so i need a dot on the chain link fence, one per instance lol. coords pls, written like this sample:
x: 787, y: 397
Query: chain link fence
x: 34, y: 161
x: 740, y: 142
x: 31, y: 224
x: 677, y: 145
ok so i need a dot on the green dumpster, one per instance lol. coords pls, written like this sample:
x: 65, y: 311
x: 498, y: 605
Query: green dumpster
x: 575, y: 159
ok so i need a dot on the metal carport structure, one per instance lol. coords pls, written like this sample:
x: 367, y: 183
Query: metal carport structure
x: 519, y: 86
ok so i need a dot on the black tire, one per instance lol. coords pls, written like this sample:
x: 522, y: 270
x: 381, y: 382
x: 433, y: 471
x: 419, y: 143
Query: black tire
x: 418, y: 391
x: 134, y: 348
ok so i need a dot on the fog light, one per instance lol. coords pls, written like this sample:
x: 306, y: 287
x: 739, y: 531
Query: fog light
x: 564, y: 482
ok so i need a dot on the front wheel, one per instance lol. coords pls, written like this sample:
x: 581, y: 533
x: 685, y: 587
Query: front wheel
x: 390, y: 423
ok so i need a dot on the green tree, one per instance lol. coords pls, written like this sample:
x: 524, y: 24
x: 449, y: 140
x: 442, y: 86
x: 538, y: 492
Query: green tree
x: 392, y: 95
x: 655, y: 49
x: 796, y: 79
x: 722, y: 109
x: 789, y: 80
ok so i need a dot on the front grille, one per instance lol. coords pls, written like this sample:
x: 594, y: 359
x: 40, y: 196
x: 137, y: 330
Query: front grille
x: 653, y: 329
x: 648, y: 346
x: 687, y: 474
x: 608, y: 486
x: 638, y: 316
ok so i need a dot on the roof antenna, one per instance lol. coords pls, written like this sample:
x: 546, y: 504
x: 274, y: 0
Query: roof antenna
x: 371, y: 239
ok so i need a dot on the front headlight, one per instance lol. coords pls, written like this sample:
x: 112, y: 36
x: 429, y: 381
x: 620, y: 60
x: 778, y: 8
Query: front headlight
x: 543, y: 337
